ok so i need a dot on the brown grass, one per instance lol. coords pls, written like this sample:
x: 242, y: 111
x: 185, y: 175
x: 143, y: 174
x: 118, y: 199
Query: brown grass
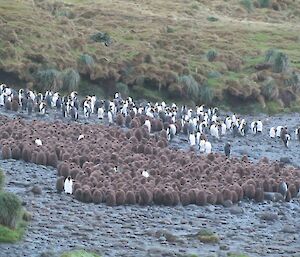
x: 149, y: 38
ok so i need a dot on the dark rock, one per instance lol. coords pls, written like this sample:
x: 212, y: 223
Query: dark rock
x: 210, y: 208
x: 262, y: 66
x: 285, y: 160
x: 227, y: 203
x: 235, y: 210
x: 36, y: 190
x: 27, y: 216
x: 289, y: 229
x: 48, y: 254
x: 269, y: 216
x: 273, y: 196
x: 224, y: 247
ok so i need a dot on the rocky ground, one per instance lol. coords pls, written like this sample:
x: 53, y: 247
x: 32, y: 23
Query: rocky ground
x: 61, y: 223
x: 260, y: 145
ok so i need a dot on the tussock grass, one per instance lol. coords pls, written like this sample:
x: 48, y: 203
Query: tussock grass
x: 148, y: 38
x: 79, y: 253
x: 10, y: 209
x: 2, y: 180
x: 8, y: 235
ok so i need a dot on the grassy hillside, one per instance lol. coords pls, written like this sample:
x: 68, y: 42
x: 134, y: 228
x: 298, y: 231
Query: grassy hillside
x: 190, y: 50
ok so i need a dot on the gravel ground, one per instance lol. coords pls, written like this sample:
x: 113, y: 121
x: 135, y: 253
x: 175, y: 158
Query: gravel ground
x: 61, y: 223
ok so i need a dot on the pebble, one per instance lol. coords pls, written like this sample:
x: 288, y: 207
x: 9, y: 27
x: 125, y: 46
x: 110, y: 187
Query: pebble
x: 236, y: 210
x: 269, y: 216
x: 36, y: 190
x: 227, y: 203
x: 289, y: 229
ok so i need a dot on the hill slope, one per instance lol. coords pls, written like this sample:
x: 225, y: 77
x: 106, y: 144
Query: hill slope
x: 200, y: 51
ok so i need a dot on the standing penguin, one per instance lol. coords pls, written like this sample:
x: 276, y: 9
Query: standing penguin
x: 208, y: 147
x: 24, y: 104
x: 192, y: 139
x: 202, y: 146
x: 278, y: 131
x: 68, y: 186
x: 42, y: 108
x: 29, y: 106
x: 297, y: 133
x: 110, y: 117
x: 227, y: 149
x: 254, y: 127
x: 74, y: 113
x: 58, y: 103
x: 64, y: 109
x: 259, y: 126
x: 272, y: 132
x: 235, y: 130
x: 287, y: 139
x: 171, y: 131
x: 100, y: 113
x: 283, y: 188
x: 285, y: 136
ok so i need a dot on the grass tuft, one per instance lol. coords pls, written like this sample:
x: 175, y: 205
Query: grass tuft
x: 211, y: 55
x: 2, y: 180
x: 247, y: 4
x: 71, y: 79
x: 8, y: 235
x: 208, y: 237
x: 49, y: 78
x: 10, y: 209
x: 237, y: 255
x: 79, y: 253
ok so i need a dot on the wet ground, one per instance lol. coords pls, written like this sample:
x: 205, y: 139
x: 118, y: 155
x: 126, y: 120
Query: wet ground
x: 61, y: 223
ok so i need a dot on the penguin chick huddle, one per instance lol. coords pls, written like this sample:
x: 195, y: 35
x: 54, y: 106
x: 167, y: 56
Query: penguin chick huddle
x: 117, y: 167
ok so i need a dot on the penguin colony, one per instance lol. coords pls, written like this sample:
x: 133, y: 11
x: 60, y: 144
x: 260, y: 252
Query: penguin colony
x: 116, y: 166
x: 197, y: 124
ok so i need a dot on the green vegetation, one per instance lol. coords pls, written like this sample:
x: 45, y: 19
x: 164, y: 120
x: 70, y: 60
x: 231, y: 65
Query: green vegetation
x: 86, y: 60
x: 248, y: 4
x: 264, y: 3
x: 2, y: 180
x: 49, y: 78
x: 10, y: 209
x: 79, y: 253
x: 270, y: 90
x: 12, y: 216
x: 123, y: 89
x: 70, y: 79
x: 237, y: 255
x: 156, y: 52
x: 206, y: 94
x: 281, y: 63
x: 211, y: 55
x: 101, y: 37
x: 8, y: 235
x: 212, y: 18
x: 208, y: 237
x: 85, y: 63
x: 190, y: 86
